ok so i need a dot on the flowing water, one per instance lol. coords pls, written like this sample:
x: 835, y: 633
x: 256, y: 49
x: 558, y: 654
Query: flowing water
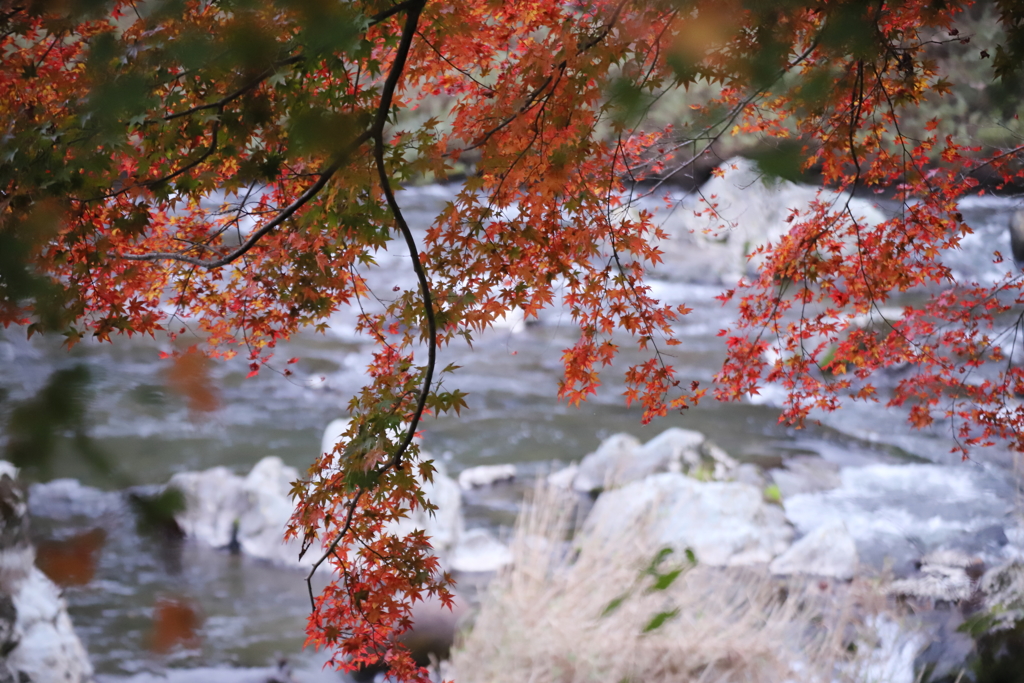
x: 243, y: 613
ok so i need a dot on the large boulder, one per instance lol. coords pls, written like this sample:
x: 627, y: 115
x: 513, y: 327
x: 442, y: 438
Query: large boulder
x: 712, y: 234
x: 601, y: 469
x: 247, y: 513
x: 37, y: 640
x: 724, y: 523
x: 445, y: 525
x: 250, y: 513
x: 828, y: 551
x: 621, y: 459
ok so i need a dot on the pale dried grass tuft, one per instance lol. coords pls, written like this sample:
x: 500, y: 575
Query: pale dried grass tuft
x: 546, y: 619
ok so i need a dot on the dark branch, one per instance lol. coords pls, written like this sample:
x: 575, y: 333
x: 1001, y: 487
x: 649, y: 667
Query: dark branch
x: 380, y: 121
x: 377, y: 132
x: 281, y: 217
x: 535, y: 96
x: 224, y: 101
x: 392, y: 11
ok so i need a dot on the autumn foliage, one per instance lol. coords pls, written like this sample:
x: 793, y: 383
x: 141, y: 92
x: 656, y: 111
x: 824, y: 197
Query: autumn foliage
x: 233, y: 164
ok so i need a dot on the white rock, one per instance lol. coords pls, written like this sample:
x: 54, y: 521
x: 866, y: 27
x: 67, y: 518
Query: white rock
x: 445, y: 525
x: 479, y: 551
x: 722, y: 464
x: 754, y: 213
x: 564, y: 477
x: 829, y: 551
x: 674, y: 449
x: 485, y: 475
x: 724, y: 523
x: 333, y: 433
x: 214, y: 503
x: 749, y: 473
x: 8, y: 469
x: 48, y: 650
x: 39, y: 642
x: 255, y: 510
x: 598, y: 470
x: 620, y: 459
x: 268, y: 508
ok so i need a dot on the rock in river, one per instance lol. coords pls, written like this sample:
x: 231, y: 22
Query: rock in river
x: 621, y: 459
x: 223, y: 509
x: 829, y: 550
x: 37, y: 640
x: 724, y: 523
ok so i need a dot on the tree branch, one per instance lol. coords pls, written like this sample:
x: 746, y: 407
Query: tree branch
x: 281, y: 217
x: 377, y: 132
x: 414, y: 8
x: 222, y: 102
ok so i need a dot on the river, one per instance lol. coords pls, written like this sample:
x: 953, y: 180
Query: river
x: 250, y: 614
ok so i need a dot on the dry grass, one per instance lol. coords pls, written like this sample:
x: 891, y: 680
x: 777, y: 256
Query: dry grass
x: 547, y: 619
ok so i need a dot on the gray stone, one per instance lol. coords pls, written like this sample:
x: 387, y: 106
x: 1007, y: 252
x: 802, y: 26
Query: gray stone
x: 805, y: 474
x: 599, y: 469
x: 621, y: 459
x: 565, y: 477
x: 724, y: 523
x: 485, y: 475
x: 739, y: 211
x: 749, y: 473
x: 674, y: 449
x: 829, y: 551
x: 37, y: 638
x: 479, y: 551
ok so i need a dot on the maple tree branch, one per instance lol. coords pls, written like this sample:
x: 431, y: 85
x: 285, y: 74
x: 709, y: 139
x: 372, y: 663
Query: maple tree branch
x: 532, y: 98
x: 428, y: 305
x: 377, y: 132
x: 392, y: 11
x: 222, y: 102
x: 280, y: 218
x: 334, y: 544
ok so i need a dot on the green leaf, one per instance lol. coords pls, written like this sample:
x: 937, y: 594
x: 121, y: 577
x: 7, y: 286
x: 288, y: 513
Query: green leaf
x: 614, y: 605
x: 657, y: 560
x: 978, y: 624
x: 666, y: 580
x: 659, y: 619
